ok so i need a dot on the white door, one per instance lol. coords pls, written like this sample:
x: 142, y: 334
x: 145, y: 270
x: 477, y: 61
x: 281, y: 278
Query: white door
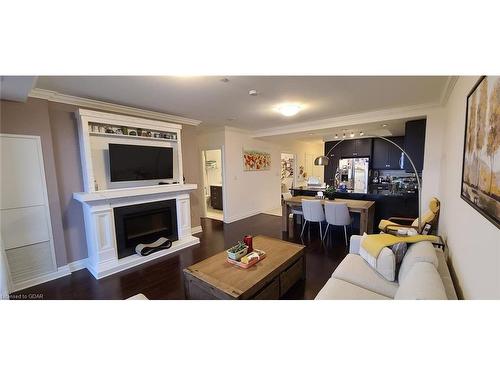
x: 26, y: 231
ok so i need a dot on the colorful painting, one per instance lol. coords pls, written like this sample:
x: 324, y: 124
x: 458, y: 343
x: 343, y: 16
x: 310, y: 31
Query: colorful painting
x: 481, y: 164
x: 256, y: 161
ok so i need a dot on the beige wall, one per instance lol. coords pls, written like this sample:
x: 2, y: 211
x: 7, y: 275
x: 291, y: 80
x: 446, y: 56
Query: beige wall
x: 56, y: 125
x: 32, y: 118
x: 473, y: 242
x: 192, y: 170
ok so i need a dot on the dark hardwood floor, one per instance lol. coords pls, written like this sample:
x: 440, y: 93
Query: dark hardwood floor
x: 163, y: 278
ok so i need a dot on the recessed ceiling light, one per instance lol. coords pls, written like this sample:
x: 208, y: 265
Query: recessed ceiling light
x: 289, y: 109
x: 336, y: 136
x: 225, y: 80
x: 343, y: 135
x: 311, y: 133
x: 384, y: 125
x: 351, y: 135
x: 253, y: 92
x: 361, y: 134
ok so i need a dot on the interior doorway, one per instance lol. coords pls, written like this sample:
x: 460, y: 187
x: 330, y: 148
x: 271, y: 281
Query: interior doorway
x: 213, y: 184
x: 288, y: 172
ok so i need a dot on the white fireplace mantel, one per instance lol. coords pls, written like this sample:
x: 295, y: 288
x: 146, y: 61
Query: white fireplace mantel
x: 115, y: 194
x: 100, y: 224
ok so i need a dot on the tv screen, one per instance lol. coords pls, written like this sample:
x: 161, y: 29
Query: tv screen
x: 133, y: 163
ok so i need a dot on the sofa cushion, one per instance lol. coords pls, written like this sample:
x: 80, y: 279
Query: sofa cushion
x: 384, y: 264
x: 355, y: 270
x: 421, y: 282
x: 422, y: 251
x: 340, y: 289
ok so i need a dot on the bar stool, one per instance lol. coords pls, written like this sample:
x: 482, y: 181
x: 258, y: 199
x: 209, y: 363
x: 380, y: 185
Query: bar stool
x: 337, y: 214
x: 313, y: 212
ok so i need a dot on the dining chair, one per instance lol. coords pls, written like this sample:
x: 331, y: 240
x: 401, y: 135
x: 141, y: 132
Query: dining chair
x: 294, y: 210
x: 337, y: 214
x: 313, y: 212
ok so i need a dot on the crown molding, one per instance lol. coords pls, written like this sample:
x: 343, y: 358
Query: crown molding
x: 54, y: 96
x: 450, y: 84
x: 349, y: 120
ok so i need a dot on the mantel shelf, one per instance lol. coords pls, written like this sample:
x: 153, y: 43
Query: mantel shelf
x: 130, y: 136
x: 106, y: 195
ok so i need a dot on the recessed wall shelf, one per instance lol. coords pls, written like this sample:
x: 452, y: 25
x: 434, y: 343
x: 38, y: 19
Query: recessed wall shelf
x: 130, y: 136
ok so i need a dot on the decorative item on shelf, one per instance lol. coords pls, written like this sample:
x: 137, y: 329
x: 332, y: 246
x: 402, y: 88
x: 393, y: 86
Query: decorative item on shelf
x: 156, y: 135
x: 256, y: 161
x: 329, y: 192
x: 481, y: 169
x: 161, y: 243
x: 109, y: 130
x: 149, y: 134
x: 124, y: 130
x: 132, y: 132
x: 118, y: 131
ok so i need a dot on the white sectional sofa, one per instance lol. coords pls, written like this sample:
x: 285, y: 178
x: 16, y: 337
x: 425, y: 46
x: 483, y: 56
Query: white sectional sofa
x: 423, y: 274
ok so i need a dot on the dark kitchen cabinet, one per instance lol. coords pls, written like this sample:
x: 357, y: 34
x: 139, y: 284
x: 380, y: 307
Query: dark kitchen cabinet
x: 334, y: 156
x: 216, y: 197
x: 356, y: 148
x: 415, y: 144
x: 386, y: 155
x: 362, y: 147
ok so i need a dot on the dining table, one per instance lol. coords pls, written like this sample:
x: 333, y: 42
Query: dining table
x: 366, y: 210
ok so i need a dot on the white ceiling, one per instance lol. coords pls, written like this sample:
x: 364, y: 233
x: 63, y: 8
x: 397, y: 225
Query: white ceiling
x: 386, y: 128
x: 216, y: 103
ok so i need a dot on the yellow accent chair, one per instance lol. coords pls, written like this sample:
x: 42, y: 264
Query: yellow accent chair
x: 431, y: 217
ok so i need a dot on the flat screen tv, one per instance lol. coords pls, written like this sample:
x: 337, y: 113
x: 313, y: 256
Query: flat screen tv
x: 135, y: 163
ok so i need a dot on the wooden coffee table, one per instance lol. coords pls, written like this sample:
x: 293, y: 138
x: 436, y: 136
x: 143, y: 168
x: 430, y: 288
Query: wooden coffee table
x: 215, y: 278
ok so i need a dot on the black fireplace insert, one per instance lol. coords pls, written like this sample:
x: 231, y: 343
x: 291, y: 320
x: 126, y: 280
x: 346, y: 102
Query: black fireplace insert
x: 144, y: 223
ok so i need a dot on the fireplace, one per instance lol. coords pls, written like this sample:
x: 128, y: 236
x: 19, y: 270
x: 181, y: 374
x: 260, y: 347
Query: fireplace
x: 144, y: 223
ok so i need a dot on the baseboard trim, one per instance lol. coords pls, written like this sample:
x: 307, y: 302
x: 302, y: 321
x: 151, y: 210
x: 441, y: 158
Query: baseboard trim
x: 197, y: 229
x: 232, y: 219
x: 77, y: 265
x: 61, y: 272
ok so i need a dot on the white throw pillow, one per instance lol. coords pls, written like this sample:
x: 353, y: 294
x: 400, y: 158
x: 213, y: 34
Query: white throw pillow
x: 384, y: 264
x: 422, y: 282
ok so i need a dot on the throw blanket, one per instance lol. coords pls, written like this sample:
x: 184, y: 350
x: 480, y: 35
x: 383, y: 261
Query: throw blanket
x: 374, y: 243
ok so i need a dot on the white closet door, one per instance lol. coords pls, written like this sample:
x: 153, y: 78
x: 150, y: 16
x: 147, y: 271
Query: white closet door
x: 25, y: 218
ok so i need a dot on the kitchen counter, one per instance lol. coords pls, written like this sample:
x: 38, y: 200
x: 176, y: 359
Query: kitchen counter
x: 311, y: 191
x: 387, y: 204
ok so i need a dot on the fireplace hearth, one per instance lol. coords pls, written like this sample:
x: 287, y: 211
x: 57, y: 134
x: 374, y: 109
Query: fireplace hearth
x: 144, y: 223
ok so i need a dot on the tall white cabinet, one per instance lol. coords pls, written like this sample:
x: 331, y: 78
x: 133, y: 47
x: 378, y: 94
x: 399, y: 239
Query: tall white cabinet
x: 26, y: 231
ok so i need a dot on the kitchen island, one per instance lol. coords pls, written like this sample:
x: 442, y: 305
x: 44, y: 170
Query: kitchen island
x: 387, y: 204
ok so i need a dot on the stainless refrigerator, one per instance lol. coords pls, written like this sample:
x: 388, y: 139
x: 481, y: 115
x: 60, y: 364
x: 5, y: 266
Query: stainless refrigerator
x: 354, y: 174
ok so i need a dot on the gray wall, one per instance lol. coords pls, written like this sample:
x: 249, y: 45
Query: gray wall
x: 55, y: 123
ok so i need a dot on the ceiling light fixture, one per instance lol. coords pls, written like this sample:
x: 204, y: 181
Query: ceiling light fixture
x: 336, y: 136
x: 361, y: 134
x: 343, y: 135
x: 384, y: 125
x: 253, y: 92
x: 289, y: 109
x: 352, y: 135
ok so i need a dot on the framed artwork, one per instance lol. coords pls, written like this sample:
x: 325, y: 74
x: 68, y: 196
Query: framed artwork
x: 256, y: 161
x: 481, y: 159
